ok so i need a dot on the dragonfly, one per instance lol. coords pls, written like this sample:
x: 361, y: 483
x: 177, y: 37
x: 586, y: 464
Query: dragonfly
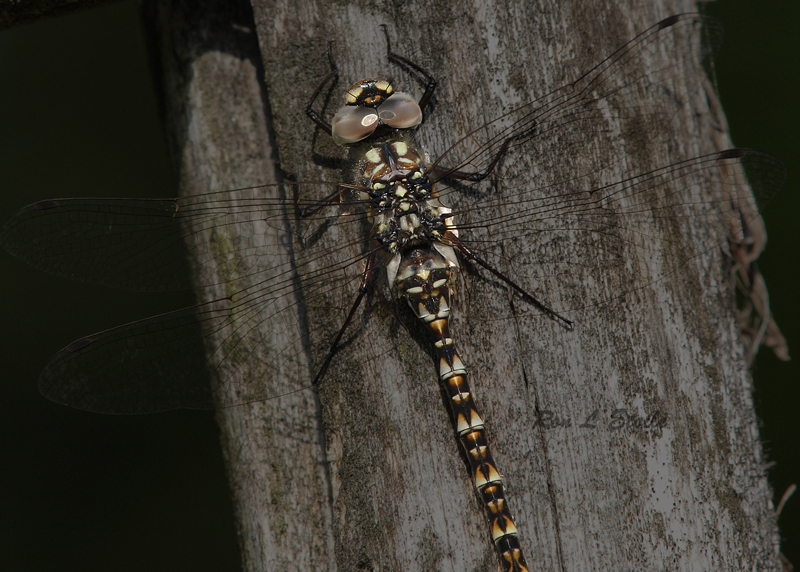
x: 287, y: 267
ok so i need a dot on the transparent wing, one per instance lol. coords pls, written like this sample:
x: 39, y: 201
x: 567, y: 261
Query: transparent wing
x: 164, y: 244
x: 631, y: 96
x: 245, y: 344
x: 576, y: 233
x: 566, y: 204
x: 263, y: 267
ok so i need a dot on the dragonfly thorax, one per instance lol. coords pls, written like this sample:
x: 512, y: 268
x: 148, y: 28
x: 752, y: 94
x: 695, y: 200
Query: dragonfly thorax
x: 404, y: 209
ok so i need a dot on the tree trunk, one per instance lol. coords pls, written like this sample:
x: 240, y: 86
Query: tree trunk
x: 367, y: 474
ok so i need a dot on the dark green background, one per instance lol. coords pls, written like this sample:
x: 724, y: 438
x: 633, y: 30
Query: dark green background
x: 759, y: 81
x: 78, y: 117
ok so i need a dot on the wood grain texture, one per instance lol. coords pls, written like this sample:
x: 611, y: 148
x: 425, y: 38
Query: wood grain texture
x: 367, y: 475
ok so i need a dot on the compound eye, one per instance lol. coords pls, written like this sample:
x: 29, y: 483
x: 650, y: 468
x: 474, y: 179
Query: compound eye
x: 400, y: 111
x: 352, y: 124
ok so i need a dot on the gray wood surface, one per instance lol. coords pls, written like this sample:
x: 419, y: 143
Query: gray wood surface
x: 367, y: 475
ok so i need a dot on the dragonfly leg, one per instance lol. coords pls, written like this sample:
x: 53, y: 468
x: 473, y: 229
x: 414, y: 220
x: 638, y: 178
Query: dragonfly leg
x: 313, y: 115
x: 472, y: 257
x: 429, y: 87
x: 366, y: 277
x: 327, y: 201
x: 440, y: 172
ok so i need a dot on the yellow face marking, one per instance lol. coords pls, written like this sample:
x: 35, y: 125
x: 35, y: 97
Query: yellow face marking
x: 415, y: 290
x: 423, y: 273
x: 440, y: 283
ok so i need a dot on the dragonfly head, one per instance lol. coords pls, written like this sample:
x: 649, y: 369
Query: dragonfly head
x: 371, y: 103
x: 370, y: 92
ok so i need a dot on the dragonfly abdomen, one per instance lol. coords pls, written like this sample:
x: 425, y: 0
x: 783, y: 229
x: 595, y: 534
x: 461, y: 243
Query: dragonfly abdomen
x: 424, y: 279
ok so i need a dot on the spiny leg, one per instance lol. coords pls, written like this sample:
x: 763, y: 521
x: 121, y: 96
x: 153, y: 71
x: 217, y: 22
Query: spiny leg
x: 313, y: 115
x: 437, y: 172
x: 429, y: 87
x: 330, y: 200
x: 366, y: 277
x: 472, y: 257
x: 322, y: 203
